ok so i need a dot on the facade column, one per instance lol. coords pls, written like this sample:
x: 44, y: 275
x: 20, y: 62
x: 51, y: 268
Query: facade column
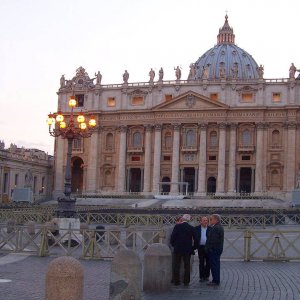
x: 92, y: 165
x: 147, y: 166
x: 259, y: 157
x: 202, y: 161
x: 175, y: 158
x: 157, y: 158
x: 232, y: 159
x: 122, y: 159
x: 221, y: 159
x: 291, y: 156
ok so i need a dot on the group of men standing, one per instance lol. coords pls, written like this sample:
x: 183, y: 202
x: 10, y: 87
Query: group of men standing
x: 207, y: 238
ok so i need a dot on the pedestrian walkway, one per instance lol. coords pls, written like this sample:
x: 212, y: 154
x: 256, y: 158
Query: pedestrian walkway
x: 22, y: 277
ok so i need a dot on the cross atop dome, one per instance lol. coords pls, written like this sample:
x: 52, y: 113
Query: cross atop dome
x: 226, y: 35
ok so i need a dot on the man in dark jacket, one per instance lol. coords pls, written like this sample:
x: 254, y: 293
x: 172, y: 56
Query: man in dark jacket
x: 202, y: 231
x: 183, y: 239
x: 214, y: 247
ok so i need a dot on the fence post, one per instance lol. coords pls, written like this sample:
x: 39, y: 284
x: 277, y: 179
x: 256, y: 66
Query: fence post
x: 43, y: 251
x: 247, y: 245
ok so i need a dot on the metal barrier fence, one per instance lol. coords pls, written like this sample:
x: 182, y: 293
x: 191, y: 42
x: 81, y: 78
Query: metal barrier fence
x: 42, y: 215
x: 104, y: 243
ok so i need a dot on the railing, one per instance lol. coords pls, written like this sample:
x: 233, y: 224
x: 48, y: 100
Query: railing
x: 154, y: 217
x: 104, y: 243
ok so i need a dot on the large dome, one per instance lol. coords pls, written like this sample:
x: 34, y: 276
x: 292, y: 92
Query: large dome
x: 226, y: 60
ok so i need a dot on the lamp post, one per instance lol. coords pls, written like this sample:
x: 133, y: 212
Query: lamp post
x: 72, y: 128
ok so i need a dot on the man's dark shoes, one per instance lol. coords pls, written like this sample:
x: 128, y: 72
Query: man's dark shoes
x: 213, y: 284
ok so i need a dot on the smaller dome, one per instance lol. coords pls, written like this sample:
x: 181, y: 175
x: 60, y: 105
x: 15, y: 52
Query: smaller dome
x: 226, y: 60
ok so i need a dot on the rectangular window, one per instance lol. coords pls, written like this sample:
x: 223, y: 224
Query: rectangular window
x: 247, y: 97
x: 135, y: 158
x: 212, y: 157
x: 16, y: 179
x: 214, y: 96
x: 167, y: 158
x: 168, y: 97
x: 111, y: 101
x: 137, y: 100
x: 246, y: 157
x: 77, y: 144
x: 276, y: 97
x: 80, y: 100
x: 5, y: 183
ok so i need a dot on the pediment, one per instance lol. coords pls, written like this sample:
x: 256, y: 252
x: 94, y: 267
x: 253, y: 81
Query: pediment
x: 190, y: 101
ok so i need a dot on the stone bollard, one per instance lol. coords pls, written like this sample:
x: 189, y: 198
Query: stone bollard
x: 10, y: 226
x: 31, y: 228
x: 126, y: 276
x: 157, y: 268
x: 64, y: 279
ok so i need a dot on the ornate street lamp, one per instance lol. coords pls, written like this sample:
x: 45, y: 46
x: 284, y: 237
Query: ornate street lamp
x: 74, y: 127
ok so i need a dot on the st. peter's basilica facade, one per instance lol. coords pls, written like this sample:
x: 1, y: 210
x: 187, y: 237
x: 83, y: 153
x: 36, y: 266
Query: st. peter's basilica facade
x: 225, y: 129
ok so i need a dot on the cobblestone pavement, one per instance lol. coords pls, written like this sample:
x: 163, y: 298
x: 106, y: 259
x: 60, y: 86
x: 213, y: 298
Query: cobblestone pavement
x: 239, y: 280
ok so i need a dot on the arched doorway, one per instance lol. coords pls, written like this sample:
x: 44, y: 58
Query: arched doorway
x: 211, y: 185
x: 165, y: 188
x: 77, y: 175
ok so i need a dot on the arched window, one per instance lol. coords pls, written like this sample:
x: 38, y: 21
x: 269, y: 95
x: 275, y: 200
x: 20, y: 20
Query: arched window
x: 137, y: 139
x: 168, y: 140
x: 109, y: 141
x: 213, y: 138
x: 190, y: 138
x: 275, y: 178
x: 275, y: 138
x: 246, y: 138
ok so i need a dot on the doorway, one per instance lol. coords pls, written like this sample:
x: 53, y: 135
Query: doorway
x: 211, y: 185
x: 245, y: 180
x: 165, y: 188
x: 135, y: 180
x: 189, y: 177
x: 77, y: 175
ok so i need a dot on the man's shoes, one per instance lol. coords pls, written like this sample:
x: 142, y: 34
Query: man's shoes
x: 213, y: 283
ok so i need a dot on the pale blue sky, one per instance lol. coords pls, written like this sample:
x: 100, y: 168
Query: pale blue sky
x: 41, y: 40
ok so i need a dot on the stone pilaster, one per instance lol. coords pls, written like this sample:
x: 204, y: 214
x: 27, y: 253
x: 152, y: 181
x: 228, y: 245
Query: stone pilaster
x: 232, y: 159
x: 259, y: 157
x: 175, y: 157
x: 92, y: 166
x: 221, y: 159
x: 147, y: 166
x: 291, y: 156
x: 202, y: 160
x: 156, y: 160
x: 122, y: 159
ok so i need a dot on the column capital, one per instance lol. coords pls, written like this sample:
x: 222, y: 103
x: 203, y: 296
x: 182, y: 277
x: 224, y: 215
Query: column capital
x: 222, y: 125
x: 122, y: 128
x: 290, y: 125
x: 157, y: 127
x: 148, y: 127
x: 233, y: 126
x: 176, y: 126
x: 203, y: 126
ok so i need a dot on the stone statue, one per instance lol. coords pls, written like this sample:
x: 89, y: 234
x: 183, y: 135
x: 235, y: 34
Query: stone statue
x: 151, y: 75
x: 192, y: 74
x: 62, y: 81
x: 98, y: 77
x: 177, y: 73
x: 161, y: 74
x: 125, y: 76
x: 260, y: 71
x: 28, y: 178
x: 235, y: 70
x: 222, y: 71
x: 205, y: 72
x: 292, y: 71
